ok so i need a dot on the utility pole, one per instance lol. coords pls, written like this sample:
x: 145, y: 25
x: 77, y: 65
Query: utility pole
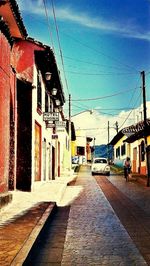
x: 145, y: 128
x: 116, y: 126
x: 94, y: 147
x: 70, y: 130
x: 108, y: 143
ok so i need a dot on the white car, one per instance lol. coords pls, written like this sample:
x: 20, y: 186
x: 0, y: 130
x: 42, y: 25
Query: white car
x: 100, y: 166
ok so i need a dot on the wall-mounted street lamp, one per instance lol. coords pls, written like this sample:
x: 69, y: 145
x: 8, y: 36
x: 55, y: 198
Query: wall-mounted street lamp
x: 57, y: 102
x: 48, y: 76
x: 54, y: 91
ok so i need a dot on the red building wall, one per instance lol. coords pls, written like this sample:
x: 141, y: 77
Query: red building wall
x: 13, y: 131
x: 23, y: 58
x: 4, y: 112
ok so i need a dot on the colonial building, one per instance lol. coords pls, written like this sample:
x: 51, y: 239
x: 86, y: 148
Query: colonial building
x: 11, y: 28
x: 130, y: 141
x: 40, y: 100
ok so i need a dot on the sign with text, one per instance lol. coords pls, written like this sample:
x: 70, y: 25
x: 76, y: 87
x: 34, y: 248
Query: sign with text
x: 54, y: 136
x: 59, y: 130
x: 60, y: 123
x: 50, y: 116
x: 50, y: 125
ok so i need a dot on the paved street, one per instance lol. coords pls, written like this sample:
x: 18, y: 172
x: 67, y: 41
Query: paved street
x: 95, y: 235
x: 101, y: 221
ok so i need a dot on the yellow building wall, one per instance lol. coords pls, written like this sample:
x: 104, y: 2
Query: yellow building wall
x: 73, y: 148
x: 119, y: 143
x: 148, y: 140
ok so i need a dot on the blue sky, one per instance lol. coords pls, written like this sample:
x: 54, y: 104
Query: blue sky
x: 105, y: 45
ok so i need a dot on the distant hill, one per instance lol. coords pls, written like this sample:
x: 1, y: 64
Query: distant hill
x: 101, y: 151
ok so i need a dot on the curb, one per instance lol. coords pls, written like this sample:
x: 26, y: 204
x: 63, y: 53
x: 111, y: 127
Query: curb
x: 5, y: 198
x: 24, y: 251
x: 65, y: 184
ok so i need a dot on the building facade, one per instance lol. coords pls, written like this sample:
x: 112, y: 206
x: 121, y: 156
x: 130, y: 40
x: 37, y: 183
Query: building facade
x: 11, y: 28
x: 40, y: 100
x: 131, y: 142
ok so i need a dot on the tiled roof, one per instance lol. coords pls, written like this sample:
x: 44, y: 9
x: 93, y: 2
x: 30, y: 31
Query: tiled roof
x: 33, y: 40
x: 132, y: 132
x: 135, y: 128
x: 5, y: 30
x: 15, y: 10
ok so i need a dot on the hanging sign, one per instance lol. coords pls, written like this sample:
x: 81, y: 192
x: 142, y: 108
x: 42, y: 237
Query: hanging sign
x: 50, y: 125
x: 60, y: 123
x: 50, y: 116
x: 54, y: 136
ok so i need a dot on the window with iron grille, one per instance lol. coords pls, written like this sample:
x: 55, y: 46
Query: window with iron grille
x: 39, y: 90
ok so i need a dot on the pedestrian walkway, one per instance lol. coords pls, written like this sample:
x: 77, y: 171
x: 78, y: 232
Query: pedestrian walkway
x: 22, y: 220
x: 95, y: 235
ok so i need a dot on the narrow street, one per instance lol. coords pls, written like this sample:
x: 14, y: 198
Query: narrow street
x: 105, y: 225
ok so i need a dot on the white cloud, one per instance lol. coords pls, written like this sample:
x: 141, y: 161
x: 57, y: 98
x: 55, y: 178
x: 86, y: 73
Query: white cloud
x: 126, y: 28
x: 96, y: 124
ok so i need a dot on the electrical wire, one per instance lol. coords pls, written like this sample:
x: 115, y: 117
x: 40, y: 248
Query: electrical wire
x: 103, y: 97
x: 91, y: 48
x: 108, y: 56
x: 100, y: 74
x: 130, y: 112
x: 90, y: 63
x: 60, y: 50
x: 48, y: 23
x: 132, y: 97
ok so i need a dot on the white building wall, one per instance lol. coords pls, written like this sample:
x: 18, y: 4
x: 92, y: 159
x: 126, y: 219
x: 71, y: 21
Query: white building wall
x: 64, y: 149
x: 46, y: 134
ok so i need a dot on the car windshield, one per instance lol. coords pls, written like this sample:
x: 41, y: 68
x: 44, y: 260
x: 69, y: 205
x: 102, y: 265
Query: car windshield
x: 100, y: 161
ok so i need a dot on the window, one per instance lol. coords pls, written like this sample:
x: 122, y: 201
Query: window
x: 39, y: 90
x: 118, y: 152
x: 100, y: 161
x: 142, y: 151
x: 123, y: 149
x: 80, y: 150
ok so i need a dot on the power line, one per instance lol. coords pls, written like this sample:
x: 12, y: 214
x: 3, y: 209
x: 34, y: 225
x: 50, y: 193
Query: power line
x: 102, y: 97
x: 130, y: 111
x: 58, y: 38
x: 97, y: 51
x: 91, y: 63
x: 113, y: 109
x: 100, y: 74
x: 132, y: 97
x: 48, y: 22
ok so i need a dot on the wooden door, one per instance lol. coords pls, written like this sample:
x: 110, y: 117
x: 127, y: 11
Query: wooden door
x: 37, y: 153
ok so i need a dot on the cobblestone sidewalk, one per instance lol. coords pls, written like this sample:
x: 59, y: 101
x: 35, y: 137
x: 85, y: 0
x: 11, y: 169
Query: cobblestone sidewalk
x: 17, y: 236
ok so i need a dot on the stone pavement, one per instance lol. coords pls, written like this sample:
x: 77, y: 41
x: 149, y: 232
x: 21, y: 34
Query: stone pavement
x: 95, y: 235
x: 18, y: 235
x: 135, y: 220
x: 22, y: 220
